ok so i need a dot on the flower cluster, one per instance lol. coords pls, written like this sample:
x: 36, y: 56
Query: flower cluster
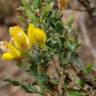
x: 21, y: 42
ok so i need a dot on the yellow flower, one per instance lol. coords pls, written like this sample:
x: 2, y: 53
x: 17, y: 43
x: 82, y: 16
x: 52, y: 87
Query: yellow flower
x: 19, y: 38
x: 30, y: 35
x: 7, y: 56
x: 21, y: 42
x: 36, y: 35
x: 13, y: 50
x: 11, y: 53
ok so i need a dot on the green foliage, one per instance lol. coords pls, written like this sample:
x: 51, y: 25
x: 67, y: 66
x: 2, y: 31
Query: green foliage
x: 14, y: 82
x: 46, y: 10
x: 74, y: 93
x: 27, y: 87
x: 28, y: 10
x: 30, y: 88
x: 36, y: 4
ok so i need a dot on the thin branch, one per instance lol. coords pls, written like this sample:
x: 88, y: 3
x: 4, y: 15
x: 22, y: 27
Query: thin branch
x: 78, y: 9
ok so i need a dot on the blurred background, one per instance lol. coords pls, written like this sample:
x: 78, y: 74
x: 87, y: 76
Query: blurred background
x: 84, y: 22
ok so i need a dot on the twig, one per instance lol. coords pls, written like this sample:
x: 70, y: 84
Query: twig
x: 82, y: 10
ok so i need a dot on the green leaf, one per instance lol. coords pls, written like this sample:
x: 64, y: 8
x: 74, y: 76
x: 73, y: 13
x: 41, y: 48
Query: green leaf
x: 13, y: 82
x: 46, y: 10
x: 70, y: 21
x: 52, y: 22
x: 77, y: 60
x: 55, y: 81
x: 27, y: 87
x: 30, y: 88
x: 59, y: 42
x: 62, y: 59
x: 36, y: 4
x: 67, y: 59
x: 28, y: 10
x: 42, y: 78
x: 59, y: 27
x: 74, y: 93
x: 36, y: 57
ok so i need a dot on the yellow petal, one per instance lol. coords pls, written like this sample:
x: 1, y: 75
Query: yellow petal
x: 31, y: 35
x: 36, y: 35
x: 15, y: 43
x: 19, y: 37
x: 13, y: 50
x: 7, y: 56
x: 39, y: 34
